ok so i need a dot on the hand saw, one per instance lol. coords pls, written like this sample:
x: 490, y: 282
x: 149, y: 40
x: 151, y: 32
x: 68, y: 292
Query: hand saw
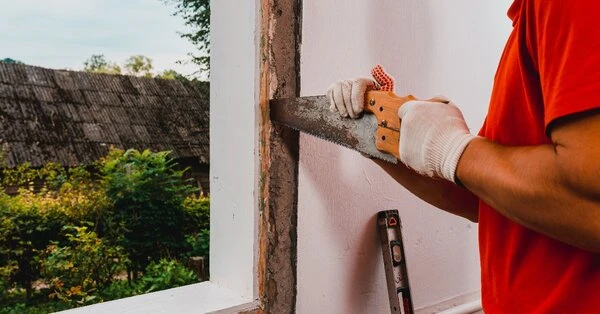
x: 376, y: 134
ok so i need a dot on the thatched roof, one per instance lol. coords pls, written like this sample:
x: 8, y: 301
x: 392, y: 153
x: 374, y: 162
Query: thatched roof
x: 73, y: 118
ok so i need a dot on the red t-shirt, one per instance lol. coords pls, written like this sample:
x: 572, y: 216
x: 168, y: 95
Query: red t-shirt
x: 550, y: 68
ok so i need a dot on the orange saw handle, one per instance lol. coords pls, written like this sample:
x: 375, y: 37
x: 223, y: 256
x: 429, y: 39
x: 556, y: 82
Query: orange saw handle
x: 384, y: 105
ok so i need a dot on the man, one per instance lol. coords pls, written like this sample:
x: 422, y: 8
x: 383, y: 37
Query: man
x: 532, y: 177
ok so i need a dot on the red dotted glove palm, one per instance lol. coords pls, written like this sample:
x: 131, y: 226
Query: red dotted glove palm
x: 386, y: 82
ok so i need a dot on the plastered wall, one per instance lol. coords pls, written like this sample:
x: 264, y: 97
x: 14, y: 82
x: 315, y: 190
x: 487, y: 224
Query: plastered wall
x: 431, y: 47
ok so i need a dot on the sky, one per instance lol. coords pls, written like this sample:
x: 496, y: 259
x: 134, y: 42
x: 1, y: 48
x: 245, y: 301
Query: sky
x: 64, y: 33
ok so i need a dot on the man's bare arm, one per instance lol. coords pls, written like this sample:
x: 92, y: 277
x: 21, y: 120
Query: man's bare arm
x: 553, y: 189
x: 437, y: 192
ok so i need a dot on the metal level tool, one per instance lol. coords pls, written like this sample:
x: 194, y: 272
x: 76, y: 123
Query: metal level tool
x: 394, y: 261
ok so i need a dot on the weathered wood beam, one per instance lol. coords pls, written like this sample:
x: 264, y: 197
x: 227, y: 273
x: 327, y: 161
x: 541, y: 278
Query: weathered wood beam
x: 280, y: 29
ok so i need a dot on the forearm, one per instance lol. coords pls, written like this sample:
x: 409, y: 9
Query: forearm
x: 439, y: 193
x: 539, y: 187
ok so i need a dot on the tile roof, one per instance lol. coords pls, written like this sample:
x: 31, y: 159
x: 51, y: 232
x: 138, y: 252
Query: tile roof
x: 73, y: 117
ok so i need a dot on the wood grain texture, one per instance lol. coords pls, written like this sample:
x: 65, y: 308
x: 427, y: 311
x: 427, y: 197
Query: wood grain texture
x: 385, y: 105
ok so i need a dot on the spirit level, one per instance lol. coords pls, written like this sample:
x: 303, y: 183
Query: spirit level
x: 394, y: 261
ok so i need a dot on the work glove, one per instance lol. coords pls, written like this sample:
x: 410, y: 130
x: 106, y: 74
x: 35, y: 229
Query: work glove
x: 433, y: 133
x: 433, y: 136
x: 347, y: 97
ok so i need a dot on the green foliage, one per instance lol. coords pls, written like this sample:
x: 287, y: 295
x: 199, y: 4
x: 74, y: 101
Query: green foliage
x: 171, y: 75
x: 197, y: 211
x: 147, y: 191
x: 134, y: 210
x: 14, y: 302
x: 25, y: 228
x: 11, y: 61
x: 196, y: 14
x: 139, y: 65
x: 118, y: 290
x: 22, y: 176
x: 88, y: 263
x: 36, y: 215
x: 37, y: 308
x: 165, y: 274
x: 98, y: 64
x: 200, y: 243
x: 6, y: 272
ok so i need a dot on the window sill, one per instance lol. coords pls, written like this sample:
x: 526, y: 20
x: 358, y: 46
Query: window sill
x: 204, y: 297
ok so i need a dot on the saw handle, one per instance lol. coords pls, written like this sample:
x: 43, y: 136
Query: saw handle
x: 385, y: 105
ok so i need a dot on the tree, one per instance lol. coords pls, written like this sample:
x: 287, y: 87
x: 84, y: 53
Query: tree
x: 196, y: 14
x: 171, y: 75
x: 98, y: 64
x: 11, y: 61
x: 139, y: 65
x: 147, y: 191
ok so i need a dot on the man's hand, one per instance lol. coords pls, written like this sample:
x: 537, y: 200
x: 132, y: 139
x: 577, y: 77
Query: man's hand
x: 433, y: 136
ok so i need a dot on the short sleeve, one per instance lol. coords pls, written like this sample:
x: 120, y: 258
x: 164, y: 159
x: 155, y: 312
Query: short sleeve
x: 566, y: 37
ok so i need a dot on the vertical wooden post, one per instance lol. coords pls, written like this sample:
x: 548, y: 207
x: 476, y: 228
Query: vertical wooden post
x: 280, y: 30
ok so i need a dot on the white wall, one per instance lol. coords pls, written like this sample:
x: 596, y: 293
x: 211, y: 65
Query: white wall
x: 431, y: 47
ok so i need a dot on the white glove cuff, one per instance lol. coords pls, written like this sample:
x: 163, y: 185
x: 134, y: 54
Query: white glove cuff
x: 449, y: 156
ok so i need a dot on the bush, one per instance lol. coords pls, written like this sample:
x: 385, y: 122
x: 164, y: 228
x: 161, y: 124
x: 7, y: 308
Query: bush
x: 36, y: 215
x: 165, y: 274
x: 24, y: 232
x: 197, y: 227
x: 199, y: 243
x: 6, y: 272
x: 197, y: 213
x: 147, y: 191
x: 75, y: 272
x: 14, y: 302
x: 118, y: 290
x: 41, y: 308
x: 140, y: 210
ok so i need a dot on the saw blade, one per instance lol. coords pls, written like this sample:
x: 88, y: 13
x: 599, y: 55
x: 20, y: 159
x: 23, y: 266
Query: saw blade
x: 311, y: 115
